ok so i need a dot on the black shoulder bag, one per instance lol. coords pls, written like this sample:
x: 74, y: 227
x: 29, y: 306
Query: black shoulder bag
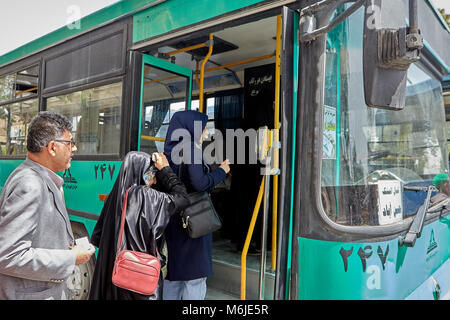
x: 200, y: 217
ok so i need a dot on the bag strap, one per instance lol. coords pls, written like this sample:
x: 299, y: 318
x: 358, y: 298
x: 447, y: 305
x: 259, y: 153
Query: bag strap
x: 122, y: 221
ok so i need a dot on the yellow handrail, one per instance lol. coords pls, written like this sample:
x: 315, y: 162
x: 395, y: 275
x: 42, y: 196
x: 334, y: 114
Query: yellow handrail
x: 24, y: 91
x: 248, y: 239
x: 153, y: 138
x: 267, y: 56
x: 276, y: 139
x: 196, y: 46
x: 216, y: 68
x: 202, y: 73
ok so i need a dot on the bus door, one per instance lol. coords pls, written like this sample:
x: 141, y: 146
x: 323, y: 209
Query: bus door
x: 279, y: 171
x: 165, y: 89
x: 288, y: 137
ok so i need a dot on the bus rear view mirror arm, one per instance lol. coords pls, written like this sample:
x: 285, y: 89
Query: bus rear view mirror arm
x: 308, y: 31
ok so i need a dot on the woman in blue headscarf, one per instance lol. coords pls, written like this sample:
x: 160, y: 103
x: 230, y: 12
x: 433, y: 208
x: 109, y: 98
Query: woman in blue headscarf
x: 190, y: 260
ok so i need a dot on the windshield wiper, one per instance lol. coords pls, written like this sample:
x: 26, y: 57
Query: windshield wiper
x: 415, y: 230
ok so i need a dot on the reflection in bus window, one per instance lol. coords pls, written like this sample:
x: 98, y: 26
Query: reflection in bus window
x: 164, y: 93
x: 14, y: 120
x: 370, y: 154
x: 7, y: 87
x: 152, y: 128
x: 18, y: 85
x: 95, y: 115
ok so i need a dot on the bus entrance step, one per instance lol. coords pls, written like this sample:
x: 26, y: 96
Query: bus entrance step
x: 227, y: 274
x: 216, y: 294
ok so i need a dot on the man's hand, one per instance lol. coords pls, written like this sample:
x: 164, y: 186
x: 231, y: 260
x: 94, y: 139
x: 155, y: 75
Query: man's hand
x: 160, y: 160
x: 83, y: 256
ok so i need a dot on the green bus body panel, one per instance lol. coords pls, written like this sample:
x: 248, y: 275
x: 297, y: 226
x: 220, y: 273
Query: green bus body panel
x: 165, y: 65
x: 6, y: 167
x: 391, y: 272
x: 175, y: 14
x: 82, y: 187
x: 87, y: 180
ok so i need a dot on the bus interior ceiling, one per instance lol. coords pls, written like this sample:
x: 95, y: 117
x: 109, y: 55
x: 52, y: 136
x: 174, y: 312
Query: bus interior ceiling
x: 233, y: 47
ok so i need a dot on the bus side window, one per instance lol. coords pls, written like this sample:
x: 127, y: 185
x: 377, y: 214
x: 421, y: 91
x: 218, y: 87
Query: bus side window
x: 96, y: 117
x: 15, y: 116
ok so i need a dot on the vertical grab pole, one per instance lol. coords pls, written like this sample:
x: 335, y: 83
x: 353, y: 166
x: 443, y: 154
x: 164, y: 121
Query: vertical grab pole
x: 248, y: 239
x: 202, y: 72
x: 276, y: 123
x: 262, y: 271
x: 267, y: 174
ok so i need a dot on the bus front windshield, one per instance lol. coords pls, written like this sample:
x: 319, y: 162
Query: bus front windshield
x: 369, y: 155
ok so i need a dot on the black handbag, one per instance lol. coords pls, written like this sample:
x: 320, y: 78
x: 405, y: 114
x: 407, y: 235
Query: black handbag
x: 200, y: 217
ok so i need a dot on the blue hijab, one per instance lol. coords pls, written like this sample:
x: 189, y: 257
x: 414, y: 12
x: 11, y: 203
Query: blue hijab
x: 189, y: 258
x: 192, y: 123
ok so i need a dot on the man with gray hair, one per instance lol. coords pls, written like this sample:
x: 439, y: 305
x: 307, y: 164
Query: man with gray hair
x: 37, y: 249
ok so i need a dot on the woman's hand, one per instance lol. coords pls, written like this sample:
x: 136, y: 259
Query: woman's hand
x: 225, y: 166
x: 160, y: 160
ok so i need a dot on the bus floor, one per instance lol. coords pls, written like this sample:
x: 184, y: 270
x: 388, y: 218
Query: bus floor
x: 225, y: 284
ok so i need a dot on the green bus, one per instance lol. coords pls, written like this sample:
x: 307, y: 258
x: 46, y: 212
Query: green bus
x: 348, y: 209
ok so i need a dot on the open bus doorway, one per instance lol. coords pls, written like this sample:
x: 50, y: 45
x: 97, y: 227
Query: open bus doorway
x: 238, y: 94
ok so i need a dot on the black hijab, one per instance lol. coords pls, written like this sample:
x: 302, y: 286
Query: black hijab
x: 148, y: 213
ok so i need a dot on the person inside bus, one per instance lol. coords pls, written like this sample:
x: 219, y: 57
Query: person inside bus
x: 190, y: 260
x: 147, y: 223
x: 37, y: 251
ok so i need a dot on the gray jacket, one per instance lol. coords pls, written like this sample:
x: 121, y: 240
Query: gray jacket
x: 35, y: 236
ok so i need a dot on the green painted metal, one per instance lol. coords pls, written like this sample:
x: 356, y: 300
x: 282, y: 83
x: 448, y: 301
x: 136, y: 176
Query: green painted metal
x: 83, y: 183
x: 6, y: 167
x: 85, y: 180
x: 175, y: 14
x: 323, y: 276
x: 173, y: 68
x: 163, y: 64
x: 296, y: 56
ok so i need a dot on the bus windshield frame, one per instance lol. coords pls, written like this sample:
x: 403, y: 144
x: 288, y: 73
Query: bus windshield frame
x: 369, y: 155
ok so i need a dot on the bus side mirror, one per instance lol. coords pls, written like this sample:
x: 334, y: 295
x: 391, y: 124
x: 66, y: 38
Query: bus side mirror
x: 388, y: 53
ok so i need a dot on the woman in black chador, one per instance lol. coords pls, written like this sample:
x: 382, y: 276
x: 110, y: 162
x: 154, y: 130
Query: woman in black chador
x: 148, y: 213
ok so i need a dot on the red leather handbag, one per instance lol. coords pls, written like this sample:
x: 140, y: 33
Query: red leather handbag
x: 135, y: 271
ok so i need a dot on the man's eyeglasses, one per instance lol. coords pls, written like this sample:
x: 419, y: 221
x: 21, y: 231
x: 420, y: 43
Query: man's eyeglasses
x: 72, y: 143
